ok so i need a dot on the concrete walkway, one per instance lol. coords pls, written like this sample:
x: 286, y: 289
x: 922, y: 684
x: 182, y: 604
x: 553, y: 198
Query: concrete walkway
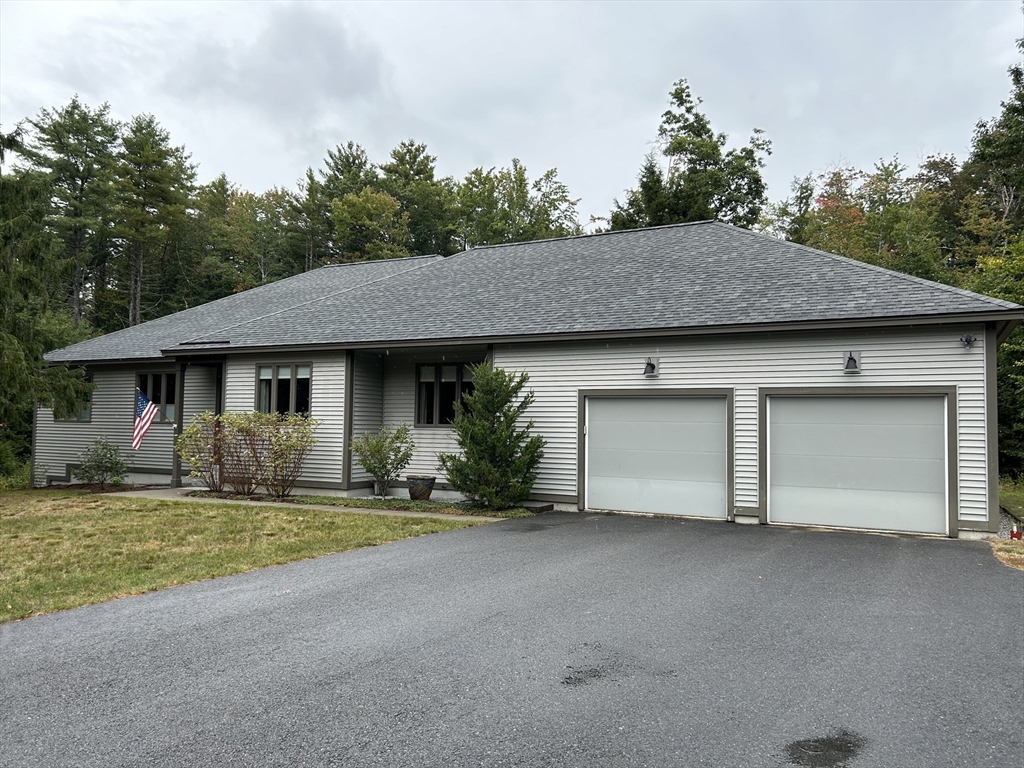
x: 181, y: 494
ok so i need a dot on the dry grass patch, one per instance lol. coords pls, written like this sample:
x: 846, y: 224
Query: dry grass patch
x: 1010, y: 553
x: 62, y: 549
x: 1011, y: 496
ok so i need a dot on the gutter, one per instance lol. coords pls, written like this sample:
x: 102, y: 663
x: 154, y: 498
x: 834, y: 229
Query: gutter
x: 1005, y: 328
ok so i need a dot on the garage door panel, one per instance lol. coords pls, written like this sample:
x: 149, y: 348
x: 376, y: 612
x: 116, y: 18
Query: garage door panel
x: 662, y: 465
x: 882, y: 411
x: 858, y: 461
x: 657, y: 436
x: 879, y: 474
x: 891, y: 441
x: 882, y: 510
x: 663, y: 455
x: 660, y: 497
x: 659, y: 410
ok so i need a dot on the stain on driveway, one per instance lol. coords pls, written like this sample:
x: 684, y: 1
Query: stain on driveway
x: 594, y: 640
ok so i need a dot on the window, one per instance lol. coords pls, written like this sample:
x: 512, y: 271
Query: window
x: 438, y: 389
x: 282, y: 388
x: 83, y: 409
x: 161, y: 389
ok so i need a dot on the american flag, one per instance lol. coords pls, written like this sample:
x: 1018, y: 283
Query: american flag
x: 145, y: 412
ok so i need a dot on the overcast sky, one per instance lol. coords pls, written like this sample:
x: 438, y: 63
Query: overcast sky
x: 260, y: 91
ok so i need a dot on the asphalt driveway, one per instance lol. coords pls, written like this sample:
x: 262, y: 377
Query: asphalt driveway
x: 564, y: 640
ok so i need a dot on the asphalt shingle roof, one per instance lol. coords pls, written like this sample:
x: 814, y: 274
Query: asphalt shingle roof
x: 694, y: 276
x: 148, y: 339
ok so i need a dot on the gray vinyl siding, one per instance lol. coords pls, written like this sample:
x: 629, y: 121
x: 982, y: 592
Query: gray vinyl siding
x: 200, y: 391
x: 400, y: 407
x: 60, y: 443
x: 367, y: 402
x: 200, y: 396
x: 933, y: 357
x: 327, y: 405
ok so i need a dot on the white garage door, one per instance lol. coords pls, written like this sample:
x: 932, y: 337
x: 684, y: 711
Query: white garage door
x: 665, y: 455
x: 858, y: 462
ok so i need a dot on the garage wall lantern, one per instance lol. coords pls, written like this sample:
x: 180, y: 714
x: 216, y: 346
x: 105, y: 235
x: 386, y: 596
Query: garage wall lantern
x: 968, y: 340
x: 851, y: 362
x: 651, y: 368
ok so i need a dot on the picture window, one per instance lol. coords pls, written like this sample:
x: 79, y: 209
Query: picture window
x: 283, y: 389
x: 83, y: 409
x: 438, y: 388
x: 161, y: 389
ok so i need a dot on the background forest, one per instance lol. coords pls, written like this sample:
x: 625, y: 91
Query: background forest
x: 103, y: 226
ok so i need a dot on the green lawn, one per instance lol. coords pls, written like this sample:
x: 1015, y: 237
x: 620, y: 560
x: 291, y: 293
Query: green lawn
x: 1011, y: 496
x: 63, y: 549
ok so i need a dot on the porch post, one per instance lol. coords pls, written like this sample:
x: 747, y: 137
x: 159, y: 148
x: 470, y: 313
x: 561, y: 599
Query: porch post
x: 346, y: 450
x: 179, y: 423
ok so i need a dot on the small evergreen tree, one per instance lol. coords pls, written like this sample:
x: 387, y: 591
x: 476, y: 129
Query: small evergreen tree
x: 498, y: 464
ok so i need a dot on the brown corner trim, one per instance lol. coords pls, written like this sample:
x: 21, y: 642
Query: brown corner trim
x: 992, y: 427
x: 348, y: 419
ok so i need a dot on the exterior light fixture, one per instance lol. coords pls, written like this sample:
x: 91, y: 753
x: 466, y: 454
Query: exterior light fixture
x: 651, y: 368
x: 968, y: 340
x: 851, y: 362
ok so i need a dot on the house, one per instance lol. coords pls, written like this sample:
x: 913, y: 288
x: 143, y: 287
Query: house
x: 694, y: 369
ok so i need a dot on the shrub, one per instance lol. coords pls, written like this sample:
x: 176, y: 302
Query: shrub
x: 384, y: 454
x: 498, y: 464
x: 201, y: 446
x: 17, y: 478
x: 289, y: 443
x: 101, y: 463
x: 15, y: 470
x: 244, y: 441
x: 247, y: 450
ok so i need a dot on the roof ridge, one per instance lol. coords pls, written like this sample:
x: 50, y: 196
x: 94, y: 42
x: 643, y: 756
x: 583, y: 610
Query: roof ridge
x: 373, y: 261
x: 293, y: 307
x: 875, y: 268
x: 586, y: 235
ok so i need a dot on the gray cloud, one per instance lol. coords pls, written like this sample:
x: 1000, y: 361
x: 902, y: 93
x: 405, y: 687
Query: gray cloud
x: 302, y: 65
x: 260, y: 90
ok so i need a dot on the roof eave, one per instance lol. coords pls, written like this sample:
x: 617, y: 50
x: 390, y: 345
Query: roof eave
x: 1010, y: 318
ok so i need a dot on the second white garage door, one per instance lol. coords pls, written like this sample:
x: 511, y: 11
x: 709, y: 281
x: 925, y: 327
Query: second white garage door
x: 663, y: 455
x: 858, y: 462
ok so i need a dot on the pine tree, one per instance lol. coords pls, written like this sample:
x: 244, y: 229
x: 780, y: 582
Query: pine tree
x: 499, y: 460
x: 153, y: 186
x: 75, y: 146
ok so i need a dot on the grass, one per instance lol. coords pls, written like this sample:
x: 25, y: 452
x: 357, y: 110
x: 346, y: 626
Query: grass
x: 405, y: 505
x: 1011, y: 496
x: 63, y: 548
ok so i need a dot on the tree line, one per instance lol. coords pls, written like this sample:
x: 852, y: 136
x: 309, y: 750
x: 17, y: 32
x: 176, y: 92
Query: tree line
x: 103, y: 226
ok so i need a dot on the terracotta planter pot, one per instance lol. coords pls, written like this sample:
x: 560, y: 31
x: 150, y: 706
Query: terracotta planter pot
x: 420, y: 486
